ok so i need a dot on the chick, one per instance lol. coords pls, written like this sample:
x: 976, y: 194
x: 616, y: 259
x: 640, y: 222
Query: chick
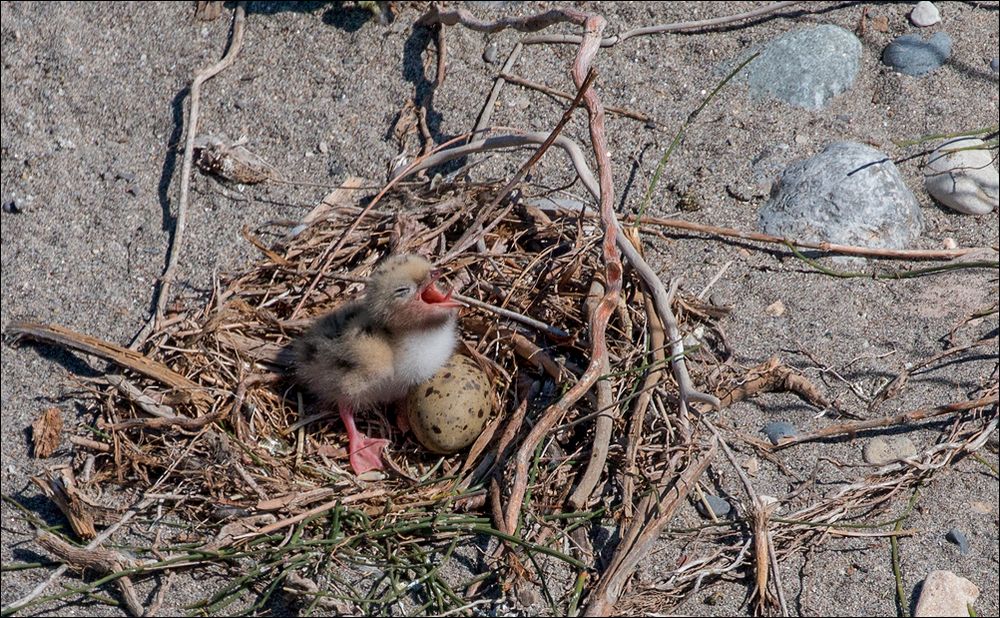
x: 374, y: 350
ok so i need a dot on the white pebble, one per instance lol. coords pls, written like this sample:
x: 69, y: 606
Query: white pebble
x: 960, y: 174
x: 925, y: 14
x: 946, y: 594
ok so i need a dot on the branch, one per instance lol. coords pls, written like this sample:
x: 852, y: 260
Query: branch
x: 162, y: 293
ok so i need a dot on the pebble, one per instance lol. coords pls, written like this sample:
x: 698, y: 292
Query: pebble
x: 949, y: 243
x: 958, y: 537
x: 965, y: 180
x: 10, y: 206
x: 806, y: 68
x: 925, y: 14
x: 775, y: 431
x: 880, y: 450
x: 945, y: 594
x: 775, y: 309
x: 850, y: 194
x: 490, y: 52
x: 323, y: 147
x: 995, y: 64
x: 911, y: 55
x: 720, y: 506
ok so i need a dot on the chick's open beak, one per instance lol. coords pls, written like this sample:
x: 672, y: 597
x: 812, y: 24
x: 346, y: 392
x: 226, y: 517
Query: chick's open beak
x: 430, y: 294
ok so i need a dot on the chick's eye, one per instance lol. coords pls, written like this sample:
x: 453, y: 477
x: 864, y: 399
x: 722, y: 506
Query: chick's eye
x: 402, y: 292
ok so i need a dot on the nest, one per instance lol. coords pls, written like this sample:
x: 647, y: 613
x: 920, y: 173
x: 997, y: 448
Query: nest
x: 211, y: 421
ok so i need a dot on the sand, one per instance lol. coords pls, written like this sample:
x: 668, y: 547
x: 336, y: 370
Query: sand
x: 93, y: 99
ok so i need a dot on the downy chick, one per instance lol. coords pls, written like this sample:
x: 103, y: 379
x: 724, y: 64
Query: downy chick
x: 374, y: 350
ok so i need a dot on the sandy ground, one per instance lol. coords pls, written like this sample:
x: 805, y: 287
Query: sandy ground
x: 91, y: 128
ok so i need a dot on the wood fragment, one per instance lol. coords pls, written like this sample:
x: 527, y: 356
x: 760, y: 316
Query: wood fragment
x: 98, y: 559
x: 46, y: 433
x: 124, y: 357
x: 60, y: 487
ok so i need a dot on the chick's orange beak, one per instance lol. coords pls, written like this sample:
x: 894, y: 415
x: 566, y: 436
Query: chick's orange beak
x: 430, y: 294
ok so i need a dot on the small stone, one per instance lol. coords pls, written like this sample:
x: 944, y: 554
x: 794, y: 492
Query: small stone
x: 911, y: 55
x: 925, y: 14
x: 949, y: 243
x: 995, y: 64
x: 806, y: 68
x: 945, y: 594
x: 491, y: 52
x: 849, y: 194
x: 323, y: 147
x: 960, y: 174
x: 719, y: 506
x: 983, y: 508
x: 958, y: 537
x: 10, y: 206
x: 777, y: 430
x: 752, y: 466
x: 881, y: 451
x: 880, y: 23
x: 775, y: 309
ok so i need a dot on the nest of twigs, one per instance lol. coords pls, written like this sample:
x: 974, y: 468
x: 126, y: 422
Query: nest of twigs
x: 211, y: 423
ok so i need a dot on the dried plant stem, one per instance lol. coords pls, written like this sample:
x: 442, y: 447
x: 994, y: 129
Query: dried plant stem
x: 888, y: 421
x: 520, y: 81
x: 100, y: 538
x: 109, y: 351
x: 892, y: 254
x: 163, y: 291
x: 665, y: 28
x: 602, y: 426
x: 656, y: 510
x: 104, y: 561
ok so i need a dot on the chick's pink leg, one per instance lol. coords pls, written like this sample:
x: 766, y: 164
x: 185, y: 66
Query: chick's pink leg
x: 365, y: 452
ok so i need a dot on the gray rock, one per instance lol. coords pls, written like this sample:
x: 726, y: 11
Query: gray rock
x: 777, y: 430
x: 720, y: 506
x: 945, y: 594
x: 806, y: 68
x: 850, y: 194
x: 925, y: 14
x: 880, y: 450
x: 911, y: 55
x: 958, y: 537
x: 995, y: 64
x: 490, y: 52
x: 960, y: 174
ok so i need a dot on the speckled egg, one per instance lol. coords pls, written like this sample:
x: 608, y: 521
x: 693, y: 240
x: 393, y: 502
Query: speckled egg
x: 448, y: 412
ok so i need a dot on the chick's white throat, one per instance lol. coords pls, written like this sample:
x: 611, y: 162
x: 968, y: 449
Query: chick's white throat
x: 422, y: 352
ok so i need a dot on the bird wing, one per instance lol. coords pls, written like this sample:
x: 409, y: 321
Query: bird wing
x: 345, y: 358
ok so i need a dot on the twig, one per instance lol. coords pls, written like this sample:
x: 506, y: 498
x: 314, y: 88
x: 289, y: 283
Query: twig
x: 899, y: 419
x: 487, y: 112
x: 104, y: 561
x: 656, y: 345
x: 892, y: 254
x: 663, y: 29
x: 657, y: 511
x: 162, y: 293
x: 115, y: 353
x: 553, y: 331
x: 100, y: 538
x: 520, y: 81
x: 141, y: 399
x: 604, y: 423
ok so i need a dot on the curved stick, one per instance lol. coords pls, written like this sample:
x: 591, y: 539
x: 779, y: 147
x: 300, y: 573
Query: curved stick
x: 239, y: 18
